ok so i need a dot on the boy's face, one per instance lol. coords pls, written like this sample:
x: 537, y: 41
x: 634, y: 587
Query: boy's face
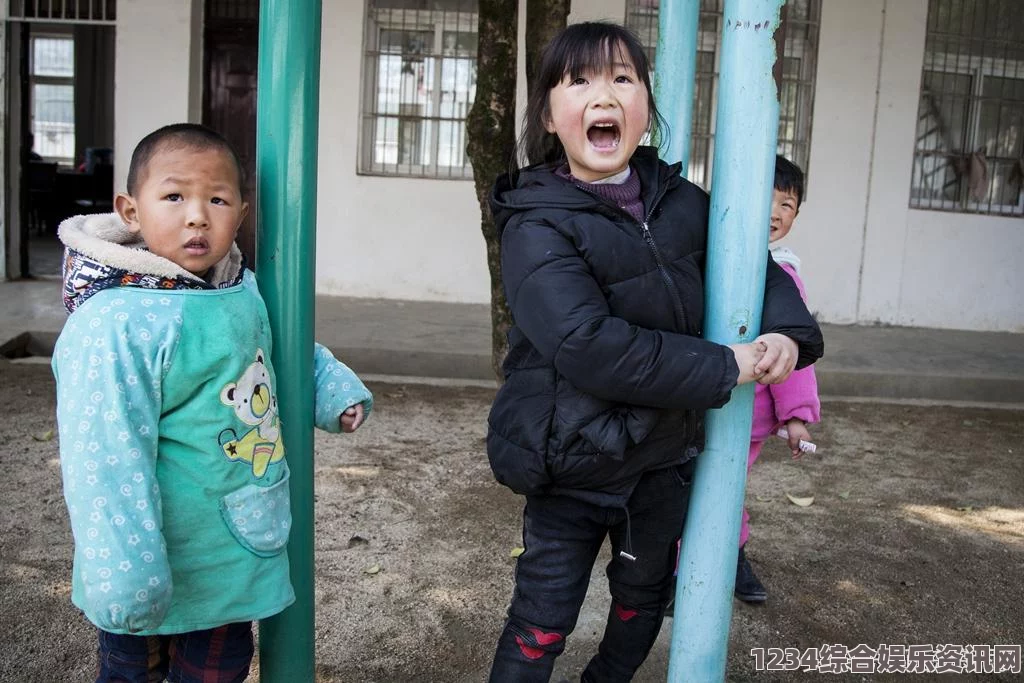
x: 784, y: 210
x: 188, y: 206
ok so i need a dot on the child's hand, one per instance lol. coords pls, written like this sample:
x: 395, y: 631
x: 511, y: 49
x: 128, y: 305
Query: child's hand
x: 352, y: 418
x: 779, y: 358
x: 797, y: 432
x: 747, y: 357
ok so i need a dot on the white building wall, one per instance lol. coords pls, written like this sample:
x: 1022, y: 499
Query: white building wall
x: 597, y: 10
x: 867, y: 257
x: 962, y: 272
x: 153, y: 78
x: 899, y: 88
x: 402, y: 238
x: 928, y: 268
x: 829, y: 232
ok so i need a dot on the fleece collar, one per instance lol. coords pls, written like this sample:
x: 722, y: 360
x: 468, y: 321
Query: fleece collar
x: 102, y: 253
x: 783, y: 255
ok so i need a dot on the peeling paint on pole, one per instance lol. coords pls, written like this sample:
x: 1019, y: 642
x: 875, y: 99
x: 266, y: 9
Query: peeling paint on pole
x: 746, y: 129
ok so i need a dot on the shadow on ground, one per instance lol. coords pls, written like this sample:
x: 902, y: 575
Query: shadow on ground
x: 915, y: 536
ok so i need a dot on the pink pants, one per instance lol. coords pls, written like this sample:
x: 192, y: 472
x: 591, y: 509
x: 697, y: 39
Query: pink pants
x: 755, y: 450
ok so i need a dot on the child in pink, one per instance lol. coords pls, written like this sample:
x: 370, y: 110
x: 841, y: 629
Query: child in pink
x: 792, y: 404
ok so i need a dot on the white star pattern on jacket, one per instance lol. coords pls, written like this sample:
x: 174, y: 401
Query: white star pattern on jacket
x: 116, y: 505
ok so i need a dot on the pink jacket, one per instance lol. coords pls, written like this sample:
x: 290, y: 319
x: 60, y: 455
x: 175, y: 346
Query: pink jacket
x: 774, y: 404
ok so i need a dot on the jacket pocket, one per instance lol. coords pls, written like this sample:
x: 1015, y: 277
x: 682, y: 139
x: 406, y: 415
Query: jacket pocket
x: 519, y: 425
x: 585, y: 425
x: 614, y: 431
x: 522, y: 470
x: 259, y: 517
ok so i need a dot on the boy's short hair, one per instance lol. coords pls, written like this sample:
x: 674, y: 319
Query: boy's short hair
x: 177, y: 136
x: 789, y: 178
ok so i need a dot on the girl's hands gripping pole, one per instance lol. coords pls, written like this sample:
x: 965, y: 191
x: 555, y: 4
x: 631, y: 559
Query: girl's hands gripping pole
x: 769, y: 359
x: 747, y: 358
x: 779, y: 358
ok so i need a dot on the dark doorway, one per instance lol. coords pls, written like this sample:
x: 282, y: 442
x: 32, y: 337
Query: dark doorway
x: 231, y: 50
x: 61, y: 125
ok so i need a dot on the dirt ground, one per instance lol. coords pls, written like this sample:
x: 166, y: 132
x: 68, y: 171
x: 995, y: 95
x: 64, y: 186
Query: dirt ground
x: 915, y: 536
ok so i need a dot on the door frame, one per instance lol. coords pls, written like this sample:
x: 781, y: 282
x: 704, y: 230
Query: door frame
x: 14, y: 118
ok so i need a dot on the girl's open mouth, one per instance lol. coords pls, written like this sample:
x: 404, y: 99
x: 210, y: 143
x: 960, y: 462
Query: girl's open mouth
x: 604, y: 136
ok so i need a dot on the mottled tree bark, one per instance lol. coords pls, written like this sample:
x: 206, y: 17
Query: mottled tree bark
x: 491, y: 138
x: 544, y: 18
x: 491, y: 125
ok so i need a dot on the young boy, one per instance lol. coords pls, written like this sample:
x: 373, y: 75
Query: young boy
x: 791, y: 404
x: 174, y: 470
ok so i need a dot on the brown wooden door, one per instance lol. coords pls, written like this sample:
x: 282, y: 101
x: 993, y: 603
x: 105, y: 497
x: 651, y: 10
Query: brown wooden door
x: 229, y: 103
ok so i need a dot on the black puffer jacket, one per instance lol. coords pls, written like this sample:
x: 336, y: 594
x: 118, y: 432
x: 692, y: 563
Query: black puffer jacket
x: 607, y: 376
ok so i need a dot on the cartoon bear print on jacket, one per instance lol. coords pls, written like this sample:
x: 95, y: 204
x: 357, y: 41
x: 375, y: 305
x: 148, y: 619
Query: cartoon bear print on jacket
x: 253, y: 400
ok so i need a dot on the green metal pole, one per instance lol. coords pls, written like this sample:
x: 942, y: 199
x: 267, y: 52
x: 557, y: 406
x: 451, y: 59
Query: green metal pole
x: 287, y: 119
x: 745, y: 140
x: 675, y: 75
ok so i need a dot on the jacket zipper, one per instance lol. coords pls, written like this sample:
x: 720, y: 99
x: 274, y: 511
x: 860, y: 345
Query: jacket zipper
x: 673, y: 292
x: 648, y: 238
x: 690, y: 415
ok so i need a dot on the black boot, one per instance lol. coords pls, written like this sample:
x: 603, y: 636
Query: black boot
x: 748, y: 587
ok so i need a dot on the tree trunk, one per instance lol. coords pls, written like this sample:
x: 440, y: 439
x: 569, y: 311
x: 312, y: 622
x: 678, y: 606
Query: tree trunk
x: 491, y: 124
x: 491, y: 139
x: 544, y: 19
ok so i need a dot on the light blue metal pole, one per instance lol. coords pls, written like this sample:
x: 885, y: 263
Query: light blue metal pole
x: 745, y: 140
x: 287, y: 114
x: 675, y: 75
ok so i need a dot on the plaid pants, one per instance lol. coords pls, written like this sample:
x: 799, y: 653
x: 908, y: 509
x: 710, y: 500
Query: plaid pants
x: 216, y: 655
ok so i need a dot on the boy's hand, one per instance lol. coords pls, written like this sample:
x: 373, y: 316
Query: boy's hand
x: 797, y: 432
x: 779, y: 358
x: 747, y: 358
x: 352, y: 418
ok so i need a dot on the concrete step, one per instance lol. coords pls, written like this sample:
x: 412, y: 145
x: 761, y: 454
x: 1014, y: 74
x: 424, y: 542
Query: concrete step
x: 453, y: 341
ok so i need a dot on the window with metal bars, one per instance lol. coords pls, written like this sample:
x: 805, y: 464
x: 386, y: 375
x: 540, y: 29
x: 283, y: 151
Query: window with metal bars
x: 419, y: 81
x: 248, y: 10
x: 801, y: 21
x: 64, y: 11
x: 968, y: 155
x: 52, y: 96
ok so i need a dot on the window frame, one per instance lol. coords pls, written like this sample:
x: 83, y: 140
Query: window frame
x: 977, y: 68
x: 437, y: 22
x: 702, y: 142
x: 35, y: 79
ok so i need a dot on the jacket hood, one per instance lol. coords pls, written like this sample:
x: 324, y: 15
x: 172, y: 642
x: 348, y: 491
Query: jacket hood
x: 539, y: 187
x: 100, y: 252
x: 785, y: 255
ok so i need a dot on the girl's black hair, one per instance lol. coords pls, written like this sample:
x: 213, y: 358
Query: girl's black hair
x: 579, y: 48
x: 789, y: 178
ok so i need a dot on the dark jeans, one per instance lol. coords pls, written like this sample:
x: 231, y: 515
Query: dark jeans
x: 562, y: 537
x: 218, y: 655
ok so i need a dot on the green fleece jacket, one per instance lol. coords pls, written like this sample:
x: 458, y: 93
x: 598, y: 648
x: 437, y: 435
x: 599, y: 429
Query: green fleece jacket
x: 174, y: 470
